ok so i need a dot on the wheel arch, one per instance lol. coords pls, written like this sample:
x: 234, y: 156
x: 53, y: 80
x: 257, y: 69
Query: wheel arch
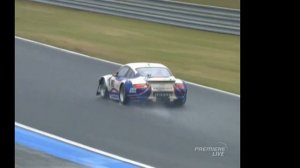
x: 105, y: 79
x: 127, y: 85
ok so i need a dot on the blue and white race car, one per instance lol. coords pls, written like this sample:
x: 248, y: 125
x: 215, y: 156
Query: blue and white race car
x: 143, y: 82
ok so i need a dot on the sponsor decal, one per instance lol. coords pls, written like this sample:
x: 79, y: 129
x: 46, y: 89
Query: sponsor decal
x: 132, y: 90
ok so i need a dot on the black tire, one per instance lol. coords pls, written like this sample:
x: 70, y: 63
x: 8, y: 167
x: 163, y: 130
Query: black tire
x: 180, y: 102
x: 102, y: 89
x: 122, y: 95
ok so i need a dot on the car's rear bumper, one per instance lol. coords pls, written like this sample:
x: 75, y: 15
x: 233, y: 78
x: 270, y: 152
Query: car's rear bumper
x: 149, y: 95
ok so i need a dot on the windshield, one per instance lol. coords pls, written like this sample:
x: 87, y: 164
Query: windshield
x: 154, y: 71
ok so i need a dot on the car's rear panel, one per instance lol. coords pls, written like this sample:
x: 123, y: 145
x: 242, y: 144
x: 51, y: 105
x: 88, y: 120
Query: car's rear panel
x: 157, y: 89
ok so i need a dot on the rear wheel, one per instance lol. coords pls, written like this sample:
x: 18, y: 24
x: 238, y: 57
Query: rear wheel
x: 180, y: 102
x: 122, y: 95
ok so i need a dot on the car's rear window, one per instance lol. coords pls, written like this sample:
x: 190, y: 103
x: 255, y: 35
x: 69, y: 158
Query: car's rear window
x: 154, y: 71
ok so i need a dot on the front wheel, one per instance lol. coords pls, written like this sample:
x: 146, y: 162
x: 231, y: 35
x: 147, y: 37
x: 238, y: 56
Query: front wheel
x: 102, y: 90
x: 122, y: 95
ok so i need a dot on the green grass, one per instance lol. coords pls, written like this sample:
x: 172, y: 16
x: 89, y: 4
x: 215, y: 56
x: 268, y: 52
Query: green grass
x: 221, y: 3
x: 210, y: 59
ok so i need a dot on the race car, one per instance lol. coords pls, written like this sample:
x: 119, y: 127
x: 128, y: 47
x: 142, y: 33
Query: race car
x: 143, y: 82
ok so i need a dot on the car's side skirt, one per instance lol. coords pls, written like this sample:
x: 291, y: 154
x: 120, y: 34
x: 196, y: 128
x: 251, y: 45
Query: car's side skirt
x: 114, y: 94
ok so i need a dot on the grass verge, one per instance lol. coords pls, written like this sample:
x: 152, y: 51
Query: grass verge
x: 235, y: 4
x: 210, y: 59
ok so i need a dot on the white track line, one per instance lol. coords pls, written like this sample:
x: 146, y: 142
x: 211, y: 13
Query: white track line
x: 102, y: 60
x: 82, y: 146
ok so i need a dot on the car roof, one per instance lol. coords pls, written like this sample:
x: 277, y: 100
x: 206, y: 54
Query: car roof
x: 144, y: 64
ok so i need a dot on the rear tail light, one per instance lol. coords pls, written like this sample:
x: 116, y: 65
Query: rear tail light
x: 179, y: 85
x: 140, y: 86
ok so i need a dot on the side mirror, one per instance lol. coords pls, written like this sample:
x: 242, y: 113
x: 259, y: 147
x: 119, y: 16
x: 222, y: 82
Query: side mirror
x: 116, y: 74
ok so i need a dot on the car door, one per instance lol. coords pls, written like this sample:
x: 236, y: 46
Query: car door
x: 116, y: 80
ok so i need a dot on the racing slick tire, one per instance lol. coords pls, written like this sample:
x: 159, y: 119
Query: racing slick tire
x: 180, y: 102
x: 102, y: 89
x: 122, y: 95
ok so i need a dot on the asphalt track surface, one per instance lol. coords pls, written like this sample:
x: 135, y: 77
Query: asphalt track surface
x: 55, y: 92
